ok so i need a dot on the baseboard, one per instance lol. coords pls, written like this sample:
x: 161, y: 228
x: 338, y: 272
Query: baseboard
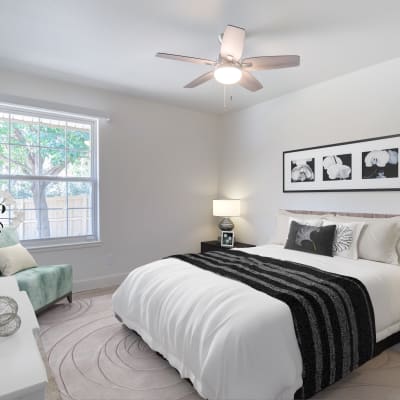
x: 98, y: 282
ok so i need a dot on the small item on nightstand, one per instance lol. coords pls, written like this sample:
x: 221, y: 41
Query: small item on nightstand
x: 227, y: 238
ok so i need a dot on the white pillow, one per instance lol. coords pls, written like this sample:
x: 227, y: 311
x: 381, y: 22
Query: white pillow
x: 378, y: 242
x: 384, y: 228
x: 345, y: 243
x: 14, y: 259
x: 283, y: 224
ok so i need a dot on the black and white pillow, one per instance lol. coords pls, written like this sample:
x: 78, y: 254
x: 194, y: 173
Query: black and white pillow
x: 311, y: 239
x: 345, y: 243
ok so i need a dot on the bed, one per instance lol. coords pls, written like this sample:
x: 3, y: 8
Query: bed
x: 232, y: 341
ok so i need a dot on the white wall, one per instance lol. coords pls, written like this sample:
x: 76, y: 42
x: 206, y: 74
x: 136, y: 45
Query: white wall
x: 159, y: 164
x: 158, y: 169
x: 361, y: 105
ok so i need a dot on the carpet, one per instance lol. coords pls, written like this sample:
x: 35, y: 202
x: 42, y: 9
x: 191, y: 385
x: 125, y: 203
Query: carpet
x: 52, y: 392
x: 93, y: 357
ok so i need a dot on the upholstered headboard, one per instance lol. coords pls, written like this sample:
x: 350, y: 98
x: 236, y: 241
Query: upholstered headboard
x: 347, y: 214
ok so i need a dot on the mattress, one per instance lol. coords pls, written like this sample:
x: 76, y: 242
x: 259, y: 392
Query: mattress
x: 232, y: 341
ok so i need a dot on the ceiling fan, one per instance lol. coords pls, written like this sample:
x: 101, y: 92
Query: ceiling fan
x: 230, y: 68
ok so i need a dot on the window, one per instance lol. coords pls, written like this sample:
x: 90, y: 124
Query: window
x: 48, y: 164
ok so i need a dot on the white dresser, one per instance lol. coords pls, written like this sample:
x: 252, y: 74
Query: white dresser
x: 23, y: 375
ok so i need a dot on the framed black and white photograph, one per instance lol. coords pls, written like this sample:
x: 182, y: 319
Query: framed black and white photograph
x: 303, y: 170
x: 336, y: 167
x: 369, y: 164
x: 379, y: 164
x: 227, y: 238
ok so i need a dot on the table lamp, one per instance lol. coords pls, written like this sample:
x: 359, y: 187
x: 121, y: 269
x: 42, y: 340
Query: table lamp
x: 226, y: 209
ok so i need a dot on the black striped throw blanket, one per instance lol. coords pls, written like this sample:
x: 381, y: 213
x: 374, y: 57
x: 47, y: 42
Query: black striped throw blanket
x: 332, y: 314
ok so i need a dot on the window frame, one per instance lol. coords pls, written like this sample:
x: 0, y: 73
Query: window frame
x: 93, y: 178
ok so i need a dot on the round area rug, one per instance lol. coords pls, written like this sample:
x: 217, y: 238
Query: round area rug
x: 94, y: 357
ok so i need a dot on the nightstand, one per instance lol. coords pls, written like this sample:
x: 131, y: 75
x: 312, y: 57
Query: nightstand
x: 213, y: 245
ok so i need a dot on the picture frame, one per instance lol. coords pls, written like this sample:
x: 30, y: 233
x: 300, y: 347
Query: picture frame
x: 360, y: 165
x: 227, y: 238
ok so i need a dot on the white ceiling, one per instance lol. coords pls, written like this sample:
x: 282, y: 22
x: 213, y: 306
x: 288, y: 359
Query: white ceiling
x: 112, y: 43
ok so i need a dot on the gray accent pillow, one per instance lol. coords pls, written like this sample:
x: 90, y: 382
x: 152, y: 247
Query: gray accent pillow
x: 311, y: 239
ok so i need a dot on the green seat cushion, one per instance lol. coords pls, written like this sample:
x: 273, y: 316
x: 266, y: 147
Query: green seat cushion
x: 45, y: 284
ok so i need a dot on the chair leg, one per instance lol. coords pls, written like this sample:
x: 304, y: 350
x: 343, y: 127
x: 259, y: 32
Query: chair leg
x: 69, y: 298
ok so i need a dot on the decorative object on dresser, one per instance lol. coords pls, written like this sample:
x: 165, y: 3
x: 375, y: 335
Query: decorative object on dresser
x: 226, y: 209
x: 214, y: 245
x: 9, y: 319
x: 369, y: 164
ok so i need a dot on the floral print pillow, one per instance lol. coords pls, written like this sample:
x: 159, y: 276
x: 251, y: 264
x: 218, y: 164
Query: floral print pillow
x: 345, y: 243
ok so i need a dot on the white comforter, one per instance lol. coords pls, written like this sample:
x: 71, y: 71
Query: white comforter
x: 234, y: 342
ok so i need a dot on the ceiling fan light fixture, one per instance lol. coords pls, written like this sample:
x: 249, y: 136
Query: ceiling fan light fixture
x: 227, y: 74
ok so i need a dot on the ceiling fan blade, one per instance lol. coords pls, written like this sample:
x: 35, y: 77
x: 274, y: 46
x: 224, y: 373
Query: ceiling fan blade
x: 193, y: 60
x: 249, y: 82
x: 232, y: 42
x: 270, y: 62
x: 200, y: 80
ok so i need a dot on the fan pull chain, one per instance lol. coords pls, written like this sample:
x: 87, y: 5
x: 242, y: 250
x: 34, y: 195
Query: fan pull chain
x: 224, y: 96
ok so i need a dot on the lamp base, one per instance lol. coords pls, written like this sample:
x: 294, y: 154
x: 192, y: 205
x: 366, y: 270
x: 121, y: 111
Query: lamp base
x: 226, y: 224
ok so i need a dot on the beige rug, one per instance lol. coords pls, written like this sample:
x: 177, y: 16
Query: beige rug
x: 52, y: 392
x: 93, y: 357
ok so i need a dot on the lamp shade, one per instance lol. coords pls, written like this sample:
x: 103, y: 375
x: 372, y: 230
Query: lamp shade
x: 226, y: 208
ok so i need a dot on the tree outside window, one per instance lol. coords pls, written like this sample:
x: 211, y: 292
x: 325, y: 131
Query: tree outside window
x: 46, y: 165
